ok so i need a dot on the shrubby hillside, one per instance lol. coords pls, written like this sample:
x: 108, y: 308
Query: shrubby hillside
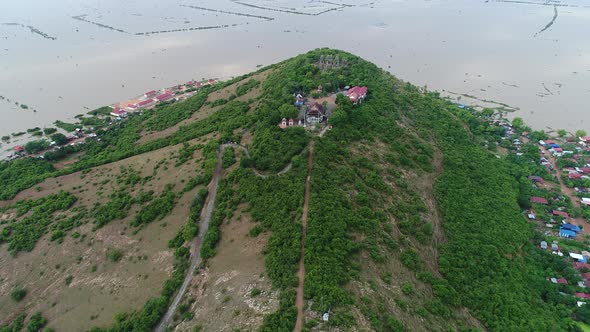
x: 413, y: 223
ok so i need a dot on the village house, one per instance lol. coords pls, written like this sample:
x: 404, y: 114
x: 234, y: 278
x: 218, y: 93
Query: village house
x: 150, y: 94
x: 165, y: 96
x: 357, y: 94
x: 569, y: 231
x: 118, y: 113
x: 574, y: 176
x: 561, y: 214
x: 539, y: 200
x: 536, y: 179
x: 145, y: 103
x: 299, y: 100
x: 580, y: 265
x: 314, y: 113
x: 286, y: 123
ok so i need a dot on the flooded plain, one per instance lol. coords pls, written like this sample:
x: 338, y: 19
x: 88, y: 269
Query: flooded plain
x: 65, y: 57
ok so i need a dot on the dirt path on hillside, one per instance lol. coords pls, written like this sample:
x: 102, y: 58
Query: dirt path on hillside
x: 299, y: 302
x: 197, y: 243
x: 570, y: 192
x: 257, y: 172
x: 204, y: 227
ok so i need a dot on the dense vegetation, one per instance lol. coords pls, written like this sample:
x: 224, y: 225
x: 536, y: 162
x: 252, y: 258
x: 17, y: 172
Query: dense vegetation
x: 21, y: 174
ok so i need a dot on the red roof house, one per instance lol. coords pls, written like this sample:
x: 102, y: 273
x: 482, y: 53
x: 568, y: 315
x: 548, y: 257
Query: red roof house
x: 586, y: 276
x: 562, y: 281
x: 18, y: 148
x: 583, y: 295
x: 539, y: 200
x: 558, y: 149
x: 357, y: 93
x: 150, y: 94
x: 585, y: 170
x: 145, y: 102
x: 561, y: 214
x: 580, y: 265
x: 574, y: 176
x: 165, y: 96
x: 118, y: 112
x: 586, y: 138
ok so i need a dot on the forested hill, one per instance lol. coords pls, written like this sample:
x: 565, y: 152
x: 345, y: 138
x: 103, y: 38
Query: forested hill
x: 413, y: 218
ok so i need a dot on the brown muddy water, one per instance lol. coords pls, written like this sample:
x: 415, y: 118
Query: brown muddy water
x: 66, y: 57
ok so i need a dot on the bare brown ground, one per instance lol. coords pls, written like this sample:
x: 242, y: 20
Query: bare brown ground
x: 221, y: 292
x: 299, y: 301
x: 93, y: 298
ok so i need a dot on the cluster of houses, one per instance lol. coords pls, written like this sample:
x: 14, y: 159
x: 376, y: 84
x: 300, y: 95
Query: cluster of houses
x: 579, y: 263
x: 312, y: 112
x: 575, y: 150
x: 154, y: 97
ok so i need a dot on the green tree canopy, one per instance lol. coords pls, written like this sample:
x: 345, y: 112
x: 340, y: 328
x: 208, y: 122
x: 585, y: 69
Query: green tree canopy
x: 59, y: 138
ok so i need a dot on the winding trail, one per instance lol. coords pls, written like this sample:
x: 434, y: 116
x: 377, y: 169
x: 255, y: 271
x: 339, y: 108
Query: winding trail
x: 299, y: 301
x: 206, y: 214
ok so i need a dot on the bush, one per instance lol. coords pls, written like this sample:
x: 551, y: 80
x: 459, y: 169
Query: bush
x: 114, y: 255
x: 255, y: 292
x: 18, y: 294
x: 36, y: 146
x: 36, y: 322
x: 59, y: 138
x: 49, y: 131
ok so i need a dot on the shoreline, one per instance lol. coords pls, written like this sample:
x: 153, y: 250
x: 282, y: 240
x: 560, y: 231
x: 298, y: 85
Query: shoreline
x: 179, y: 92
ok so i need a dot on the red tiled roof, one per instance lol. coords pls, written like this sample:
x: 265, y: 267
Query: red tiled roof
x: 558, y: 149
x: 583, y: 295
x: 18, y: 148
x: 145, y: 102
x: 357, y: 92
x: 560, y: 213
x: 580, y: 265
x: 150, y: 93
x: 165, y: 96
x: 117, y: 112
x: 562, y: 281
x: 539, y: 200
x: 585, y: 170
x: 586, y: 276
x: 574, y: 176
